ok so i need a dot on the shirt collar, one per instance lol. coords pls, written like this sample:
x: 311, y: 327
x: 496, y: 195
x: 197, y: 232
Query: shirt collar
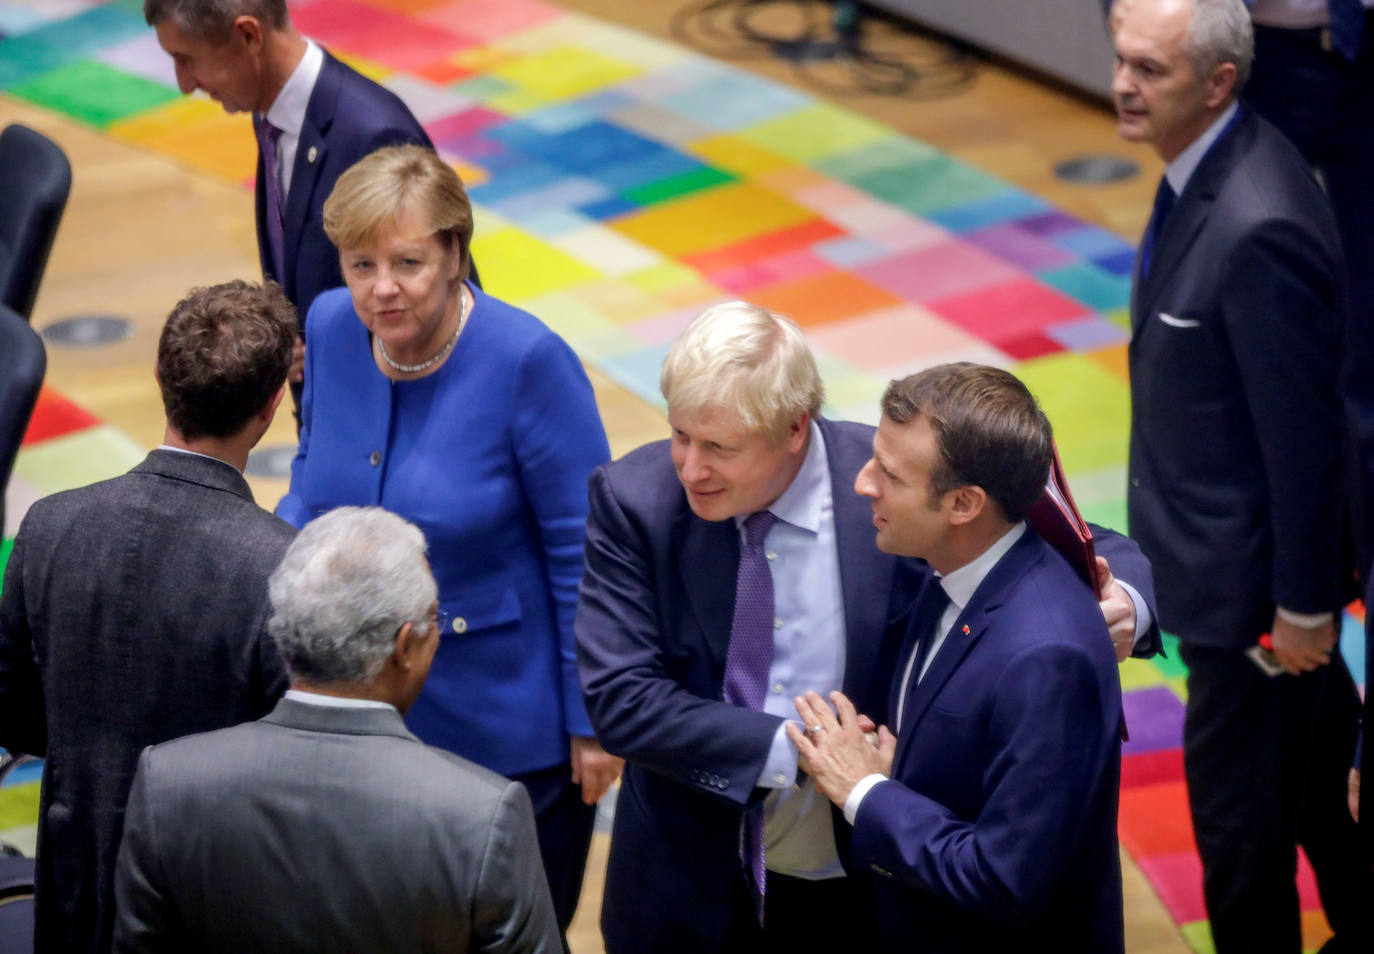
x: 335, y: 702
x: 960, y: 584
x: 804, y: 499
x: 1186, y: 162
x: 287, y: 112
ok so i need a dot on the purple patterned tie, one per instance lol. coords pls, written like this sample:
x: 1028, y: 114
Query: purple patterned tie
x: 747, y: 662
x: 268, y: 138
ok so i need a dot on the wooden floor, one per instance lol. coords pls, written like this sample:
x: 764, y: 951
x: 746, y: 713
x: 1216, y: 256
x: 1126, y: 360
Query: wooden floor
x: 140, y: 231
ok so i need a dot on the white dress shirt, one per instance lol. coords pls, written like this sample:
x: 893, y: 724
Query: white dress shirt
x: 808, y: 653
x: 287, y: 113
x: 335, y: 702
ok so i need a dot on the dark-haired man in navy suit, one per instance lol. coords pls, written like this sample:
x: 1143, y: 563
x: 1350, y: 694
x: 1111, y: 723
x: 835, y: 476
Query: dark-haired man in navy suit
x: 714, y: 827
x: 1236, y: 492
x: 989, y: 817
x: 312, y: 115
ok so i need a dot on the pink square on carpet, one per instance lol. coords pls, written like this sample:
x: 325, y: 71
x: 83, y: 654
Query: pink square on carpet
x: 468, y: 122
x: 1308, y: 897
x: 878, y: 220
x: 1177, y: 879
x: 1002, y: 312
x: 378, y: 35
x: 829, y: 196
x: 939, y: 271
x: 795, y: 264
x: 489, y: 19
x: 871, y: 341
x: 664, y: 328
x: 1026, y: 347
x: 910, y: 235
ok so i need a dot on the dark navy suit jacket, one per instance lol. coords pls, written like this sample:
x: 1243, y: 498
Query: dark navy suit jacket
x: 349, y: 116
x: 653, y: 623
x: 1235, y: 465
x: 998, y: 830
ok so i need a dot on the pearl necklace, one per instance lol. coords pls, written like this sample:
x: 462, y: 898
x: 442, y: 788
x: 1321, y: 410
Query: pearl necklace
x: 443, y: 352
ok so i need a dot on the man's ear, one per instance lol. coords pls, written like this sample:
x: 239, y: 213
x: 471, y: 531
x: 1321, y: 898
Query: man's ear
x: 966, y: 503
x: 248, y: 30
x: 402, y: 652
x: 1220, y: 85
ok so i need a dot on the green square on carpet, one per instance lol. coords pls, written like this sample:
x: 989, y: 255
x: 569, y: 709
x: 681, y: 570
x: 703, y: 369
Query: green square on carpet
x: 674, y: 186
x: 18, y: 805
x: 94, y: 93
x: 22, y: 58
x: 6, y: 545
x: 1170, y: 664
x: 936, y: 183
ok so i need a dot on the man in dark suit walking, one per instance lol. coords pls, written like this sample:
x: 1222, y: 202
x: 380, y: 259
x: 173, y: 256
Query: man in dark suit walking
x: 728, y: 570
x: 326, y: 825
x: 1236, y: 491
x: 989, y: 818
x: 312, y: 115
x: 134, y: 610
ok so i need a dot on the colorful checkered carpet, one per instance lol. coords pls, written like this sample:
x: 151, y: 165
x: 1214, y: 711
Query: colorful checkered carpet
x: 623, y: 183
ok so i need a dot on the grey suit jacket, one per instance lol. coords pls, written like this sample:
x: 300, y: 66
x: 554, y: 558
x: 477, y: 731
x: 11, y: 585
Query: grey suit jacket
x: 326, y: 829
x: 133, y: 612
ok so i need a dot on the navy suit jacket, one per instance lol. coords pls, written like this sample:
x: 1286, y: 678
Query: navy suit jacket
x: 653, y: 623
x: 349, y: 116
x: 1236, y: 429
x: 998, y: 830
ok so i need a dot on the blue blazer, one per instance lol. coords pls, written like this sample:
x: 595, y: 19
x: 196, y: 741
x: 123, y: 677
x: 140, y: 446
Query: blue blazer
x: 653, y: 624
x: 998, y: 830
x: 489, y: 456
x: 348, y: 117
x: 1236, y: 490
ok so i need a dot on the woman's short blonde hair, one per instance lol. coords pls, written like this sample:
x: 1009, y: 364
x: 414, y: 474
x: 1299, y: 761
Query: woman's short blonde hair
x: 383, y: 186
x: 751, y: 362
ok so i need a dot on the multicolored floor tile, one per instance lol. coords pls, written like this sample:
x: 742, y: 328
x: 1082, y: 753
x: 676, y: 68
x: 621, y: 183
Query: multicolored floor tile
x: 621, y: 184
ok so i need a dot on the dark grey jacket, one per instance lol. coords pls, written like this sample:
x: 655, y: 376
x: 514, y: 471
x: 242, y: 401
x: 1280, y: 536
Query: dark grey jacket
x: 133, y: 612
x: 320, y: 829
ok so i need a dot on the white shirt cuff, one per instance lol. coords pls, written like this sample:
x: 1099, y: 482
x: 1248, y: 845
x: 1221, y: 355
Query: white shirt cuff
x: 856, y: 795
x: 1304, y: 620
x: 780, y: 769
x: 1143, y: 618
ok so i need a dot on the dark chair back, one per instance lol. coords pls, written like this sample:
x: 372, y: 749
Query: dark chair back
x: 22, y: 364
x: 35, y: 179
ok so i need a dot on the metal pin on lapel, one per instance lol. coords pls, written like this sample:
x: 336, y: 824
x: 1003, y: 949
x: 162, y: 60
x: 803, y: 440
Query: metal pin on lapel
x: 966, y: 629
x: 310, y: 156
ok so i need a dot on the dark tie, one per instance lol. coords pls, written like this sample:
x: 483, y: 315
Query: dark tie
x: 922, y: 635
x: 1347, y: 26
x: 1164, y: 201
x: 747, y: 662
x: 268, y: 138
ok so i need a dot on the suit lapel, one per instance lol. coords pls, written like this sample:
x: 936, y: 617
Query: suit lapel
x: 310, y: 159
x: 1189, y: 213
x: 708, y: 564
x: 970, y: 626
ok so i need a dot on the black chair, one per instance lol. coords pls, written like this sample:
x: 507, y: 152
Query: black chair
x: 35, y: 179
x: 22, y: 364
